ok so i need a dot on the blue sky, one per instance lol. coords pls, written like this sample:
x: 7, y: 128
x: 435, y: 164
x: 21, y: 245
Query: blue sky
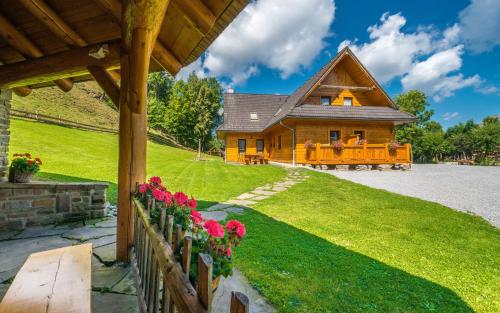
x: 450, y: 49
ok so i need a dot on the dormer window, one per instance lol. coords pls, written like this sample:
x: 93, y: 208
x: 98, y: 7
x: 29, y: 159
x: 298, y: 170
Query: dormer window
x: 347, y: 101
x: 325, y: 100
x: 254, y: 117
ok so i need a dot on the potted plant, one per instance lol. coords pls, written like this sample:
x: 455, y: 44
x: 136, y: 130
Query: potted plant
x: 338, y: 146
x: 308, y: 145
x: 393, y: 147
x: 23, y: 167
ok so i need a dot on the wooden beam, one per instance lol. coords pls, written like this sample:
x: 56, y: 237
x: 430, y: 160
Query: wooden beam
x: 107, y: 83
x: 56, y: 24
x: 140, y: 28
x: 353, y: 88
x: 198, y: 13
x: 161, y: 54
x: 22, y: 44
x: 20, y: 91
x: 60, y: 65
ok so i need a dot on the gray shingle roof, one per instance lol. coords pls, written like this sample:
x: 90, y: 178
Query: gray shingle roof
x: 238, y: 107
x: 377, y: 113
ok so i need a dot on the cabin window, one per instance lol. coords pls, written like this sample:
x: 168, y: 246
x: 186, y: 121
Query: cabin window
x: 260, y: 145
x: 242, y: 145
x: 360, y: 134
x: 347, y: 101
x: 279, y: 142
x: 334, y: 135
x: 325, y: 100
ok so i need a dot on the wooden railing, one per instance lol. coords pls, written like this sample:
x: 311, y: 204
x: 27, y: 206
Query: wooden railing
x: 359, y: 154
x: 163, y: 283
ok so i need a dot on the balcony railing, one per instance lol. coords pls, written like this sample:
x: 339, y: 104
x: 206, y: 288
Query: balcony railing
x: 359, y: 154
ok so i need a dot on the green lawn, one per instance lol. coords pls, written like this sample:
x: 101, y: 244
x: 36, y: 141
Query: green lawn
x: 71, y: 154
x: 329, y: 245
x: 326, y: 245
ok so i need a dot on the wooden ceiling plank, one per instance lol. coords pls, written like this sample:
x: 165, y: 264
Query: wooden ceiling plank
x: 54, y: 22
x: 198, y: 13
x: 161, y: 54
x: 21, y: 43
x: 60, y: 65
x: 354, y: 88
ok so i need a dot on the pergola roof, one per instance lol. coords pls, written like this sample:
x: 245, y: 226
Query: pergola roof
x: 56, y: 26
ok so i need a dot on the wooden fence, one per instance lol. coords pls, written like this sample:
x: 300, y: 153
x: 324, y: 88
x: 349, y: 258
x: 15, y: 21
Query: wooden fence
x: 163, y: 283
x: 359, y: 154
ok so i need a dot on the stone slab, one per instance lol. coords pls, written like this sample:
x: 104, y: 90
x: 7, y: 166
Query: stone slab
x: 246, y: 196
x: 7, y: 234
x: 238, y: 282
x: 108, y: 277
x: 114, y: 303
x: 126, y: 285
x: 89, y: 232
x: 264, y: 192
x: 258, y: 198
x: 214, y: 215
x: 242, y: 202
x: 103, y: 241
x: 106, y: 254
x: 110, y: 222
x: 219, y: 206
x: 278, y: 188
x: 40, y: 231
x: 3, y: 290
x: 235, y: 210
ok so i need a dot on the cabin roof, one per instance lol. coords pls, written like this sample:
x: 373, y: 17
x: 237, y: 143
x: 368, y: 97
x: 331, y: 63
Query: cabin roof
x: 273, y: 108
x: 239, y: 106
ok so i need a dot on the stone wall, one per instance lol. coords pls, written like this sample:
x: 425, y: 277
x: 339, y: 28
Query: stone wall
x: 5, y: 96
x: 40, y: 203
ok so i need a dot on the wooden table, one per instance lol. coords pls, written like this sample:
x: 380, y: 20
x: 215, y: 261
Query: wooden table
x: 53, y: 281
x: 251, y: 158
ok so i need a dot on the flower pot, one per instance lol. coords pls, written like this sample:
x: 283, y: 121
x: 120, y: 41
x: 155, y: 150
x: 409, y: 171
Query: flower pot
x: 23, y: 177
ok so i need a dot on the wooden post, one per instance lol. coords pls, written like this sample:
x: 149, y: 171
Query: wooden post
x: 186, y: 254
x: 318, y: 152
x: 239, y: 303
x: 205, y: 269
x: 141, y: 21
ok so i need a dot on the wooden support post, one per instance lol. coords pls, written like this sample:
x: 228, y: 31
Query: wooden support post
x: 186, y: 254
x: 141, y: 21
x: 205, y: 269
x: 107, y: 83
x: 239, y: 303
x: 318, y: 152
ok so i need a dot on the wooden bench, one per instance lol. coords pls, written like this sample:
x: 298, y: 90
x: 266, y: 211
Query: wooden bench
x: 53, y: 281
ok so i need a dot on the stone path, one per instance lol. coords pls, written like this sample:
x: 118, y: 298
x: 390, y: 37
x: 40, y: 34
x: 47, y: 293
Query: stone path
x: 238, y: 205
x: 112, y: 284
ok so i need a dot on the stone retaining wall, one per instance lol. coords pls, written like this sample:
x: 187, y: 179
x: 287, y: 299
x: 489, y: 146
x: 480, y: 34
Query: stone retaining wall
x: 40, y: 203
x: 5, y: 96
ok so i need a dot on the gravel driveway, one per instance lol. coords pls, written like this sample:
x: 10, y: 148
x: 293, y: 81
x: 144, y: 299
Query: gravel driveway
x: 473, y: 189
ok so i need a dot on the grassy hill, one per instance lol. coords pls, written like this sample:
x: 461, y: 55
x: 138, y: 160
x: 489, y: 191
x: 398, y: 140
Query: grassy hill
x: 82, y: 104
x: 76, y: 155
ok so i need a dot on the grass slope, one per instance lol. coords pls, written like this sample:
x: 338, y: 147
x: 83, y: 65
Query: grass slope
x: 329, y: 245
x: 81, y: 104
x: 71, y: 154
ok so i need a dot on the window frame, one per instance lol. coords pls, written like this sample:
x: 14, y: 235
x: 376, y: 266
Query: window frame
x: 325, y: 97
x: 339, y: 131
x: 352, y: 102
x: 257, y: 145
x: 245, y: 148
x: 363, y: 131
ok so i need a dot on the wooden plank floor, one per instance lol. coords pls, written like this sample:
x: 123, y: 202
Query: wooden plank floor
x: 53, y: 281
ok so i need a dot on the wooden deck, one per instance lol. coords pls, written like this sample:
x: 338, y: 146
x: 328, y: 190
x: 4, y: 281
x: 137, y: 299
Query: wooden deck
x: 325, y: 154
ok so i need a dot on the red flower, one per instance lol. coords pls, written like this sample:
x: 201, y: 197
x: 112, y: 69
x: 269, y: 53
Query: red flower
x: 38, y: 161
x: 196, y: 217
x: 155, y: 180
x: 229, y: 251
x: 214, y: 229
x: 159, y: 195
x: 236, y: 227
x: 191, y: 203
x: 180, y: 198
x: 143, y: 188
x: 30, y: 162
x: 168, y: 197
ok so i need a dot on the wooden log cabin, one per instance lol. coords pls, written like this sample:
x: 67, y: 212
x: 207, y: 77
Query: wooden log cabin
x: 340, y: 115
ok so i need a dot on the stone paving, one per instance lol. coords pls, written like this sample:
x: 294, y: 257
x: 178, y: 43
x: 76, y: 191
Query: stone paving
x: 112, y: 283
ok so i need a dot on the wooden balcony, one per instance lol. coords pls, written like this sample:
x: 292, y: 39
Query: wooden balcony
x: 326, y: 154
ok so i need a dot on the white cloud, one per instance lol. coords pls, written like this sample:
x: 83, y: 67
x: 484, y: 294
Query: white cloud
x: 450, y: 115
x: 284, y: 35
x: 196, y: 66
x: 480, y: 25
x: 432, y: 77
x: 391, y: 52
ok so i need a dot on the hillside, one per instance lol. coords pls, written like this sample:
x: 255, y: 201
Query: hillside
x: 82, y: 104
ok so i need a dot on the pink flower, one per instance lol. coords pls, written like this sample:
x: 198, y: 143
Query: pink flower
x: 236, y: 227
x: 143, y: 188
x: 191, y: 203
x: 159, y: 195
x: 214, y: 229
x: 155, y: 180
x: 168, y: 197
x: 196, y: 217
x: 229, y: 251
x: 180, y: 198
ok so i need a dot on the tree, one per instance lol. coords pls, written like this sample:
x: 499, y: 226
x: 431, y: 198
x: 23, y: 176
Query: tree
x: 159, y: 89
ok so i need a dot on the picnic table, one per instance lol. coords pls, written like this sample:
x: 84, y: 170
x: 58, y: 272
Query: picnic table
x: 251, y: 158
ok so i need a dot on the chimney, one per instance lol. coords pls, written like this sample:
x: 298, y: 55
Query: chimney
x: 230, y: 90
